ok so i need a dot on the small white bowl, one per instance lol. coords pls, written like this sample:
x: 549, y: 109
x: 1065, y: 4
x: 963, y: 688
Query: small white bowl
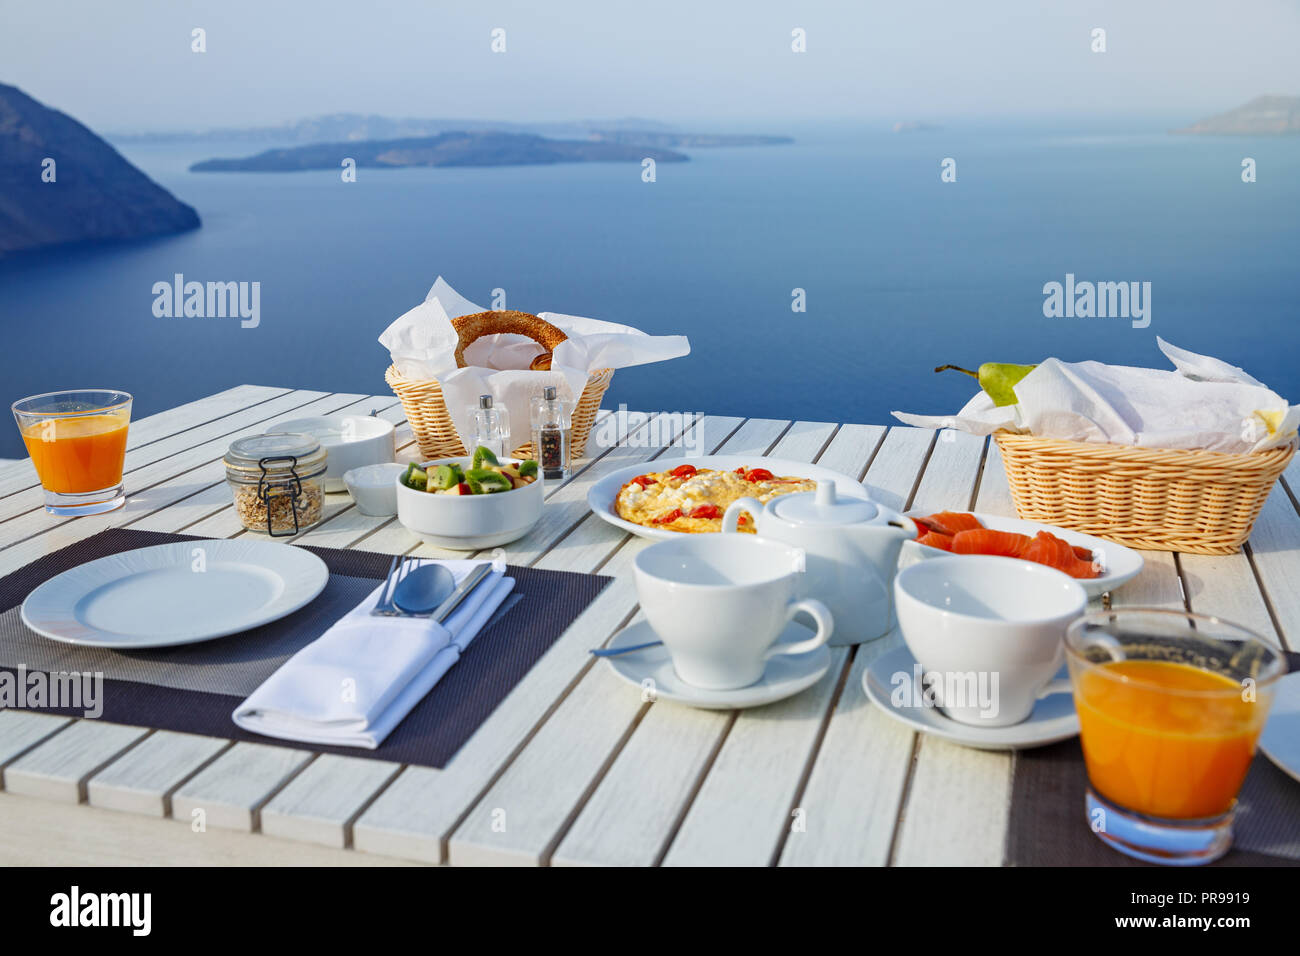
x: 374, y: 488
x: 350, y: 441
x: 469, y: 522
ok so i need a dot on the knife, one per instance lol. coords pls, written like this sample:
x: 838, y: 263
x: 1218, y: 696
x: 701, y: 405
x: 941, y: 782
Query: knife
x: 463, y: 590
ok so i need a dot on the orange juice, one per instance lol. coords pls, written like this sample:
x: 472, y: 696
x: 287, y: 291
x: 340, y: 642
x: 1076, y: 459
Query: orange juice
x: 1173, y: 741
x: 78, y: 454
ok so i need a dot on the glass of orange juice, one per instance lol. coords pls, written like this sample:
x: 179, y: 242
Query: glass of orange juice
x: 77, y: 440
x: 1170, y: 707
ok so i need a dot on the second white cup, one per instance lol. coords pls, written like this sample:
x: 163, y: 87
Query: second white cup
x: 720, y: 602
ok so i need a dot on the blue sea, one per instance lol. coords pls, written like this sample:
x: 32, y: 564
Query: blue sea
x: 900, y: 271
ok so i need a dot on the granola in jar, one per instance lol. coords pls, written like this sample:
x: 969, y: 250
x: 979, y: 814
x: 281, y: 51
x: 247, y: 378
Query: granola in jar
x: 278, y: 480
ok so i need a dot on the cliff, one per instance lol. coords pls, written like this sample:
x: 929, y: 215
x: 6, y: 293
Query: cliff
x: 91, y: 193
x: 1262, y: 116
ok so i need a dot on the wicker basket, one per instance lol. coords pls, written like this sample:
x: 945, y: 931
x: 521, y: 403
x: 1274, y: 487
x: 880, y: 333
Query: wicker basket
x: 434, y: 433
x: 1155, y: 499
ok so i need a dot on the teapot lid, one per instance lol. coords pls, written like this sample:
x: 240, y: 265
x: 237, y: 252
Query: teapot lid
x: 823, y: 506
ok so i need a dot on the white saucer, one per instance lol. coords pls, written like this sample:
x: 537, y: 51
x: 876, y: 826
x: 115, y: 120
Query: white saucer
x: 1053, y: 719
x: 785, y: 675
x: 1280, y: 740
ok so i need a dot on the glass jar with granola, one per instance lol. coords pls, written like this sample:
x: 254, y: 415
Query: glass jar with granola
x: 278, y: 480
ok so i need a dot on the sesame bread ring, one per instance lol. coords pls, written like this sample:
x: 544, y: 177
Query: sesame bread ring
x: 470, y: 328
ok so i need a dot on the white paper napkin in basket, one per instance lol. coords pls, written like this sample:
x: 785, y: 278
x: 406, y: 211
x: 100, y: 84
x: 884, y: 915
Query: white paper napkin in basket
x: 352, y: 685
x: 422, y: 345
x: 1205, y: 404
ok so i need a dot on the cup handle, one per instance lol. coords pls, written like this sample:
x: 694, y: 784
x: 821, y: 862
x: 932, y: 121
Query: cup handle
x: 1061, y: 686
x: 815, y: 609
x: 731, y: 520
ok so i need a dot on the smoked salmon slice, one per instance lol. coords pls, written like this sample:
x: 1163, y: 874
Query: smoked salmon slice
x: 935, y: 540
x: 1006, y: 544
x: 956, y: 521
x: 1050, y: 550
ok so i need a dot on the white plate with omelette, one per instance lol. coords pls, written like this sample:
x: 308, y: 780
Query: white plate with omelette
x: 716, y: 483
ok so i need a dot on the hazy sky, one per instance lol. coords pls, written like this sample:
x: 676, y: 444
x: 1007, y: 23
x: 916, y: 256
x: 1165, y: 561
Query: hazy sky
x: 126, y: 64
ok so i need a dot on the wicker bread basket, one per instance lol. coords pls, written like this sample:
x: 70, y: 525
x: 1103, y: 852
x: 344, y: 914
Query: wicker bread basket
x: 1157, y: 499
x: 434, y: 433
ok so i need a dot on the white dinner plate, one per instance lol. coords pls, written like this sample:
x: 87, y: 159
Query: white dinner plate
x: 784, y: 676
x: 177, y: 593
x: 602, y: 494
x: 1118, y: 563
x: 891, y: 685
x: 1280, y: 740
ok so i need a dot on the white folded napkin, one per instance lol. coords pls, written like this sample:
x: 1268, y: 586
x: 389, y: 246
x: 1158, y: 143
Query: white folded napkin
x: 352, y: 685
x: 1204, y: 404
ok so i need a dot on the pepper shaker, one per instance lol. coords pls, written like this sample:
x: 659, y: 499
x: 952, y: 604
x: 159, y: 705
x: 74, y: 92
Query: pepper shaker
x: 551, y: 426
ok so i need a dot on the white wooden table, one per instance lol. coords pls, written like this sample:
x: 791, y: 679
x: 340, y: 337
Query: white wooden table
x: 572, y: 767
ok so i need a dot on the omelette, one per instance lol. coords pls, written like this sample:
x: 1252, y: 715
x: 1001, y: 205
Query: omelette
x: 693, y: 500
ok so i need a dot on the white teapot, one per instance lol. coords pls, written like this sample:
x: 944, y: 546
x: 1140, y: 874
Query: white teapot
x: 850, y: 548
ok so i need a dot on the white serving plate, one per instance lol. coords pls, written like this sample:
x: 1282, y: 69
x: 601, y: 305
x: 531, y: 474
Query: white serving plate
x: 603, y: 493
x: 173, y: 594
x: 1053, y: 719
x: 470, y: 522
x: 1119, y: 564
x: 350, y: 441
x: 1280, y: 740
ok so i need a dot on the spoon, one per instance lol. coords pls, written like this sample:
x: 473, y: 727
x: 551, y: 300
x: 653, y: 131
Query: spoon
x: 615, y: 651
x: 424, y: 589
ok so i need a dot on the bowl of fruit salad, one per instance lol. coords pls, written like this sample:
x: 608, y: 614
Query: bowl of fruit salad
x: 478, y: 501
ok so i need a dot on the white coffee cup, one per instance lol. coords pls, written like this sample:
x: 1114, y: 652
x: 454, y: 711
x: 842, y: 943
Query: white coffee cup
x: 719, y: 603
x: 988, y: 633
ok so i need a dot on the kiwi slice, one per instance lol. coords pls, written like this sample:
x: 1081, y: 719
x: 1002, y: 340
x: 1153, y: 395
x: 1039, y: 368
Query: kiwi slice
x: 486, y: 481
x: 443, y: 477
x: 484, y: 456
x: 527, y: 468
x: 415, y: 477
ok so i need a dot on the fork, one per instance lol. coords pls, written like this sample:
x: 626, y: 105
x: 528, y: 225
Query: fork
x: 399, y: 569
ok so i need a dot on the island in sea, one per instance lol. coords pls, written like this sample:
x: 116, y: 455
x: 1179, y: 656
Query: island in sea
x: 1262, y: 116
x: 355, y: 127
x: 445, y: 149
x: 60, y: 184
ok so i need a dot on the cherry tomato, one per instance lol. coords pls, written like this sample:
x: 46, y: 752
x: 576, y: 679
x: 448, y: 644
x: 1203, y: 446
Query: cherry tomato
x: 670, y: 517
x: 644, y: 481
x: 683, y: 471
x: 759, y: 474
x: 706, y: 511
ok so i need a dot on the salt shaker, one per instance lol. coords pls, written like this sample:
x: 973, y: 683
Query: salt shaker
x: 551, y: 427
x: 491, y: 427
